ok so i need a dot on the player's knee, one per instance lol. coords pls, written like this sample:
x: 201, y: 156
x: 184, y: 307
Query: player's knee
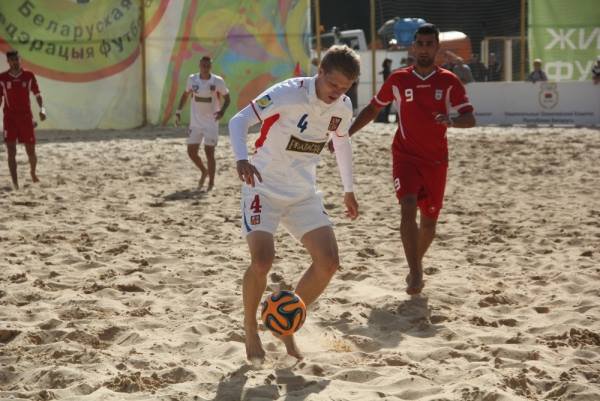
x: 192, y: 152
x: 330, y: 263
x: 409, y: 211
x: 261, y: 264
x: 429, y: 225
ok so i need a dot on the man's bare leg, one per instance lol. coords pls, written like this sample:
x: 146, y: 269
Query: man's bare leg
x: 212, y: 165
x: 11, y: 150
x: 426, y: 235
x: 409, y: 231
x: 32, y: 157
x: 262, y: 254
x: 192, y: 150
x: 322, y: 247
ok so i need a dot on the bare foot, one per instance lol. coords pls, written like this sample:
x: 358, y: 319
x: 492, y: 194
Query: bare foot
x: 34, y: 178
x: 254, y: 350
x: 290, y: 346
x: 211, y: 185
x: 202, y: 179
x: 414, y: 285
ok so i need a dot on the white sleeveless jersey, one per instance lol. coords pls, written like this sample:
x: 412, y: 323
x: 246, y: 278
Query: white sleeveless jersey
x: 205, y: 99
x: 295, y: 128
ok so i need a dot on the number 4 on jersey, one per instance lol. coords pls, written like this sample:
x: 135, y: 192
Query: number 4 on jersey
x: 255, y: 206
x: 303, y: 124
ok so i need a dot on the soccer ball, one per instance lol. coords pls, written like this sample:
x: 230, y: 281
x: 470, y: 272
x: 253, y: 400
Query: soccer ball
x: 283, y: 312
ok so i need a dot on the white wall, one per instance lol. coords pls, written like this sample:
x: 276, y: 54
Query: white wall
x: 559, y: 103
x: 525, y: 103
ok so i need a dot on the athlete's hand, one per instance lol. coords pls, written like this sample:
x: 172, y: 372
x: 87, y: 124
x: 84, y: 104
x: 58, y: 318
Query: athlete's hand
x: 443, y: 119
x: 247, y: 171
x: 42, y: 115
x: 177, y: 119
x: 351, y: 205
x: 219, y: 114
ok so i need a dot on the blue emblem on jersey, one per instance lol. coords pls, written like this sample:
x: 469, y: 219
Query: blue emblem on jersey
x: 195, y: 88
x: 264, y: 102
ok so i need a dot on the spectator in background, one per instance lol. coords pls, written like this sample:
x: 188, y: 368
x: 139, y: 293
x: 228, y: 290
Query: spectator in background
x: 462, y: 71
x: 386, y: 66
x: 448, y: 60
x: 537, y: 74
x: 477, y: 68
x: 494, y: 69
x: 314, y: 66
x: 596, y: 72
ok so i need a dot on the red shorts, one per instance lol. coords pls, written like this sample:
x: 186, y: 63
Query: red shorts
x: 426, y: 180
x: 19, y: 128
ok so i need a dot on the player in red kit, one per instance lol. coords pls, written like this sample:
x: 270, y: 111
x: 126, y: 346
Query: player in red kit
x: 15, y: 85
x: 423, y: 93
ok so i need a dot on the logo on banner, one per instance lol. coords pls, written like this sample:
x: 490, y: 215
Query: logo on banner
x: 438, y: 94
x: 334, y: 123
x: 548, y: 96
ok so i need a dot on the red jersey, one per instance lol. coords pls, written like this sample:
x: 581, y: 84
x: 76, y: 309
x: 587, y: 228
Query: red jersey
x: 419, y: 100
x: 14, y: 91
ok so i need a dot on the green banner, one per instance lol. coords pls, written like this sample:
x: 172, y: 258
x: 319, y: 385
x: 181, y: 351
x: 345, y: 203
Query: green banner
x: 565, y: 34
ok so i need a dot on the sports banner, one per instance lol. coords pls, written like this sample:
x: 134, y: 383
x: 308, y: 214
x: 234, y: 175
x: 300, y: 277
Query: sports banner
x: 87, y: 53
x: 566, y: 36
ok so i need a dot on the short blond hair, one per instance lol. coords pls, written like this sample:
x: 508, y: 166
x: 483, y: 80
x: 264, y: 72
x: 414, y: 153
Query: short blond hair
x: 343, y: 59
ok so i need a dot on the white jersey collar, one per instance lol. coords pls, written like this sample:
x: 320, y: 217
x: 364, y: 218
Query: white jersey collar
x: 424, y: 78
x: 312, y: 89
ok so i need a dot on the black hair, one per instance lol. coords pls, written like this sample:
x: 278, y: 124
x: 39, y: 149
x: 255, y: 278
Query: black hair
x: 428, y: 29
x: 12, y: 54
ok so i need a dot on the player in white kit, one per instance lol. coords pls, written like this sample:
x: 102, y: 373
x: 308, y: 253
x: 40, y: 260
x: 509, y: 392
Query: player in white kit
x: 298, y: 117
x: 208, y: 91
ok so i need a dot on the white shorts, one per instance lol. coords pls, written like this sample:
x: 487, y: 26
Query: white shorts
x: 261, y: 212
x: 209, y: 135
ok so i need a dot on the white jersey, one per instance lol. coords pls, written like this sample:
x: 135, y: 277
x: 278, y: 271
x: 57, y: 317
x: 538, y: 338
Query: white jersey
x: 295, y: 128
x: 205, y: 98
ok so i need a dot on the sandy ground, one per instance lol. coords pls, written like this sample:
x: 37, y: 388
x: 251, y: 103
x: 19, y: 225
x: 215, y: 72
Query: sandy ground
x: 121, y: 281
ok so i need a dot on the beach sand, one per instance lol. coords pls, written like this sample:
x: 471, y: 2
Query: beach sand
x: 121, y: 281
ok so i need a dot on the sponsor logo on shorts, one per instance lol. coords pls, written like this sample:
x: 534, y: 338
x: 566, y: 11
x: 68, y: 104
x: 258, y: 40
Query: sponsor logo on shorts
x: 334, y: 123
x: 298, y: 145
x: 255, y: 219
x: 264, y: 102
x: 438, y: 94
x: 397, y: 184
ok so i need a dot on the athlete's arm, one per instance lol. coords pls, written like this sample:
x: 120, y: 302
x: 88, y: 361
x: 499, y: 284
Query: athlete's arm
x: 365, y: 116
x: 227, y: 100
x: 182, y: 100
x: 459, y: 101
x: 35, y: 89
x: 343, y: 155
x: 238, y: 132
x: 464, y: 120
x: 40, y: 103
